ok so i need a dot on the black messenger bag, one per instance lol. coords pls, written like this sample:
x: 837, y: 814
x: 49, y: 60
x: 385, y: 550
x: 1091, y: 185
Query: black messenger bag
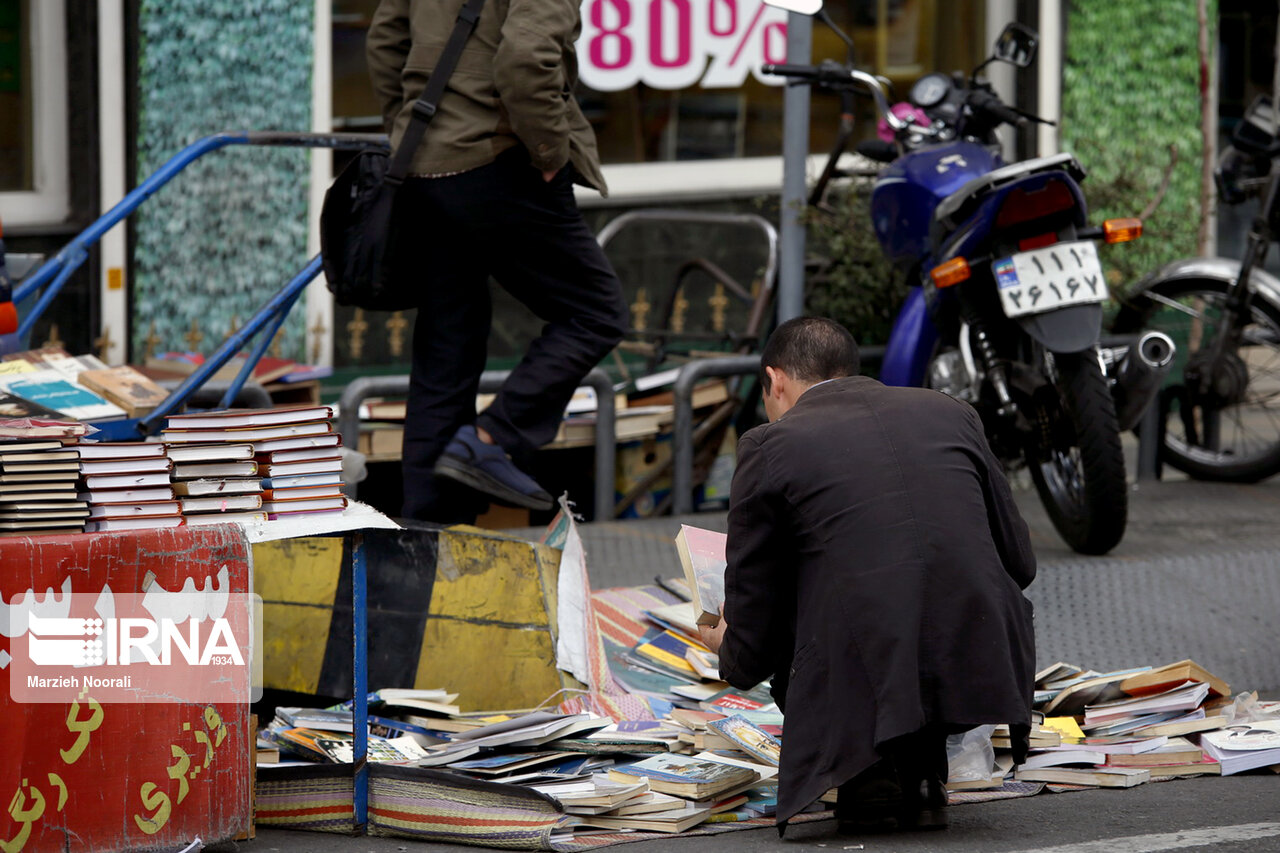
x: 357, y: 229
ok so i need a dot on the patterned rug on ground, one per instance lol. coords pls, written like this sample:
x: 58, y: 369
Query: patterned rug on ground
x: 1011, y: 790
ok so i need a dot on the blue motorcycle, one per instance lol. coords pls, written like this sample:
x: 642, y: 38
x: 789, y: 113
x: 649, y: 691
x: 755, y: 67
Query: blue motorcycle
x: 1006, y: 300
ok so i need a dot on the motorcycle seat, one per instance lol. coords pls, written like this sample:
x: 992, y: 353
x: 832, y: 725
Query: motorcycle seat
x: 957, y: 207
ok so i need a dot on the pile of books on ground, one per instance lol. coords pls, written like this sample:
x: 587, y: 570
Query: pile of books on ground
x: 1126, y: 727
x: 1117, y: 728
x: 39, y: 468
x: 614, y: 776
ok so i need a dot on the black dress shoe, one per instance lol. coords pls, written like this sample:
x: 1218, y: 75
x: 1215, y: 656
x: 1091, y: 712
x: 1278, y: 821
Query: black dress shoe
x: 868, y: 806
x: 925, y: 805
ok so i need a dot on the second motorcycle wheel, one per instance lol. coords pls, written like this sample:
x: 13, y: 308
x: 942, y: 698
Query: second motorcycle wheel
x: 1221, y: 411
x: 1074, y: 454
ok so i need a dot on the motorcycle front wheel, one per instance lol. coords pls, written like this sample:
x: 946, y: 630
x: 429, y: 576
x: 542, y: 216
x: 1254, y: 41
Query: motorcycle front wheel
x: 1230, y: 430
x: 1074, y: 453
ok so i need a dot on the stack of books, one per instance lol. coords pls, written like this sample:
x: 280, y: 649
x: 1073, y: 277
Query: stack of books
x: 216, y: 483
x: 127, y: 486
x: 256, y: 464
x: 301, y: 476
x: 38, y: 487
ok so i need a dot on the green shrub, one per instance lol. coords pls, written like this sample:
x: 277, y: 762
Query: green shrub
x: 847, y: 278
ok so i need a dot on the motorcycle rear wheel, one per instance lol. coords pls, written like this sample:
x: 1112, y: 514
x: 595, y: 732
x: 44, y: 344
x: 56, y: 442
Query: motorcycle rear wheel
x: 1074, y: 455
x: 1246, y: 447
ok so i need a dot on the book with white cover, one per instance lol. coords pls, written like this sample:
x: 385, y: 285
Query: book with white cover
x: 142, y: 523
x: 1244, y: 746
x: 120, y: 449
x: 106, y: 496
x: 220, y: 503
x: 125, y: 466
x: 202, y: 519
x: 221, y: 486
x: 209, y: 452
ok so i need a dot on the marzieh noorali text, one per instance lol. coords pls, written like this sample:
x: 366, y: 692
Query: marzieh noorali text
x: 78, y: 681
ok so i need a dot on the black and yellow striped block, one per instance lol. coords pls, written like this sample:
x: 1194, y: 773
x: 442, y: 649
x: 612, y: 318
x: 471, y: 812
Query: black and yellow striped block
x: 461, y: 608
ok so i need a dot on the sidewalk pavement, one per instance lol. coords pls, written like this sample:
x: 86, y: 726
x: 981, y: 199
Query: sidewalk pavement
x: 1196, y: 576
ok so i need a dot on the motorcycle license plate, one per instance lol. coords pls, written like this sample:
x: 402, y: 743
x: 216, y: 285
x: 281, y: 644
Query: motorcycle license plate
x: 1053, y: 277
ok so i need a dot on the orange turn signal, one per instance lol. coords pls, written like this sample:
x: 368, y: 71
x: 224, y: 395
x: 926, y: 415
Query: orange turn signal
x: 951, y: 273
x: 1122, y: 230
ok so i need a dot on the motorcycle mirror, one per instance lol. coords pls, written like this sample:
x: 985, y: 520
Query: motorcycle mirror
x: 1017, y: 45
x: 803, y: 7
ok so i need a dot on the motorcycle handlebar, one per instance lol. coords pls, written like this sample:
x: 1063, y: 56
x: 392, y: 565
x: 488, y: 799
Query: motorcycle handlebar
x: 993, y: 107
x: 831, y: 74
x: 802, y: 72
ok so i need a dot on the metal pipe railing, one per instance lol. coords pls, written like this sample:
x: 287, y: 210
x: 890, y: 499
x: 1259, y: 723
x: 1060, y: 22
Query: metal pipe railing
x: 682, y: 452
x: 491, y: 380
x: 54, y: 273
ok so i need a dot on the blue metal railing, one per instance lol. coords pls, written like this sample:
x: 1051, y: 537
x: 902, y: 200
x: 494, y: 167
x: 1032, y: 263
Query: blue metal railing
x: 55, y: 272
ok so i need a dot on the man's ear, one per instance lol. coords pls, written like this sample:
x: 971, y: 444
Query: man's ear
x: 777, y: 379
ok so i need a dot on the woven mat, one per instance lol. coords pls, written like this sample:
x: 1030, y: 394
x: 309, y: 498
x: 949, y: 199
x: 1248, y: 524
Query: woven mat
x: 1011, y: 790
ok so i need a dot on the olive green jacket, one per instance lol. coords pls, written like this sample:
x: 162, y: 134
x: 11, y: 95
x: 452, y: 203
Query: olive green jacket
x: 513, y: 84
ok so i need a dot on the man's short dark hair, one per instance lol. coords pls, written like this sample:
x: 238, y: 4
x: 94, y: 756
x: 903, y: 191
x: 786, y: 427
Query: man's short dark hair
x: 810, y: 349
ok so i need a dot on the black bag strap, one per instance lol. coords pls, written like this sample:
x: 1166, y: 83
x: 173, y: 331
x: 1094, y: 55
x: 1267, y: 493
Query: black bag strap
x: 424, y: 109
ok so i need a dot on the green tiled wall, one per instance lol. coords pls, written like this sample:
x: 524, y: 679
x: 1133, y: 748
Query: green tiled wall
x: 230, y: 230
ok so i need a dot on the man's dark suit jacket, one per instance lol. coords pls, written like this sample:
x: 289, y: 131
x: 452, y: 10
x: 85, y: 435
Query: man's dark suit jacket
x: 875, y: 567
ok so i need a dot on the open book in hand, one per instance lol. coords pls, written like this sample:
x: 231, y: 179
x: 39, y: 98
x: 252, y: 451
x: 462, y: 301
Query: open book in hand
x: 702, y: 554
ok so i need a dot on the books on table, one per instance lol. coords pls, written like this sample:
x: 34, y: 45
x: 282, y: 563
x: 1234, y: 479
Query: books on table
x: 53, y: 389
x: 38, y: 487
x: 123, y: 386
x: 224, y: 461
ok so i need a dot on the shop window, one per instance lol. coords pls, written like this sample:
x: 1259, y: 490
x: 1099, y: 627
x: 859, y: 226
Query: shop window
x: 33, y: 113
x: 901, y: 39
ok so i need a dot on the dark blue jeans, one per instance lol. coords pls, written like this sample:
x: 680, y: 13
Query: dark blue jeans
x: 501, y: 220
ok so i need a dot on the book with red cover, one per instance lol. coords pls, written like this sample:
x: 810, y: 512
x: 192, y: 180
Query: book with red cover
x: 304, y: 505
x: 240, y: 418
x: 243, y: 434
x: 299, y: 454
x: 332, y: 490
x: 287, y: 469
x: 328, y: 439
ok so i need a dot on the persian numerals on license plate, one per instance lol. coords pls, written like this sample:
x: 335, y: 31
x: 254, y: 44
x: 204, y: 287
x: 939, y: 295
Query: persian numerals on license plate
x: 1053, y: 277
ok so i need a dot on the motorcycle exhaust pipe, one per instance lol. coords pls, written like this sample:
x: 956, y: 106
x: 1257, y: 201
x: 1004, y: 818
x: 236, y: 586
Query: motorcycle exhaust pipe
x: 1139, y: 375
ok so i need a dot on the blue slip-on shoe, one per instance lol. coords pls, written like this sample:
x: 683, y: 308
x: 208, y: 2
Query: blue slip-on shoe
x: 487, y: 469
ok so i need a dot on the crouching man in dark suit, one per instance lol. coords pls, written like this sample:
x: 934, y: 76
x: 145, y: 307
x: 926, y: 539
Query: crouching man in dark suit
x: 875, y: 567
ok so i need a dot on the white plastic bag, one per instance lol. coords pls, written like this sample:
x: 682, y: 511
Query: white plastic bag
x: 970, y: 756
